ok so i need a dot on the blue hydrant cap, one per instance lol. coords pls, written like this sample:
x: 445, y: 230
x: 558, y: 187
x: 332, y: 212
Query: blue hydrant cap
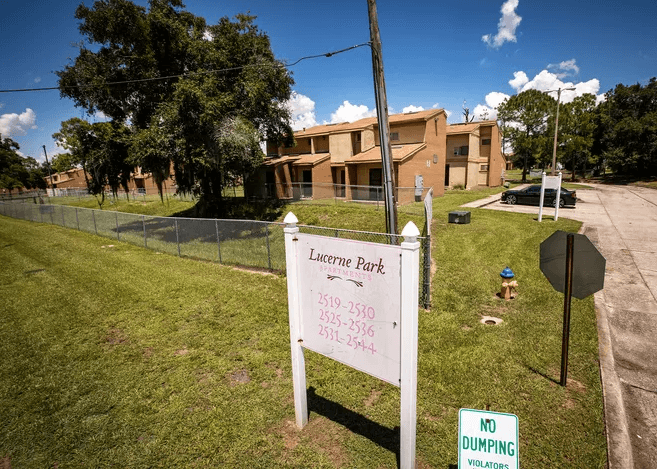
x: 507, y: 273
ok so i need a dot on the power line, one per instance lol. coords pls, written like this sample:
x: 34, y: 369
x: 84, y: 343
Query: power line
x: 205, y: 72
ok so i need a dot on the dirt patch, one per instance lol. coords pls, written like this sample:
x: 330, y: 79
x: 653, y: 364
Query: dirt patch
x: 5, y: 463
x: 148, y: 352
x: 239, y: 377
x: 569, y: 404
x: 181, y: 352
x: 574, y: 385
x: 116, y: 337
x: 374, y: 396
x: 255, y: 270
x: 465, y: 327
x: 320, y: 434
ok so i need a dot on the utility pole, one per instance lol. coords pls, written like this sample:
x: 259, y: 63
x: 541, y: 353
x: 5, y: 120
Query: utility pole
x: 48, y: 164
x: 556, y: 128
x: 382, y: 115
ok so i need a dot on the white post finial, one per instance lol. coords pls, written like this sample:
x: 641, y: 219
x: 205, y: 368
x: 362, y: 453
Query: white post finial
x: 291, y: 220
x: 410, y: 232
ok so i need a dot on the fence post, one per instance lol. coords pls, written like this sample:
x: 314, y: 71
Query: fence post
x: 175, y: 220
x: 410, y: 260
x: 93, y: 216
x: 426, y: 291
x: 76, y: 218
x: 118, y: 233
x: 216, y: 228
x: 268, y: 251
x: 63, y: 221
x: 52, y: 210
x: 143, y: 222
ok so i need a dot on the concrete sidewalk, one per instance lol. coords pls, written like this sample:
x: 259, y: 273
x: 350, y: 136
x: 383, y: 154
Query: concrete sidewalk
x: 622, y: 222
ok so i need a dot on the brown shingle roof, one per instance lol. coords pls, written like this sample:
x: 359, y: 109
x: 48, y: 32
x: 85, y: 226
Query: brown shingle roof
x: 467, y: 128
x: 279, y: 160
x: 399, y: 154
x: 311, y: 159
x: 366, y: 122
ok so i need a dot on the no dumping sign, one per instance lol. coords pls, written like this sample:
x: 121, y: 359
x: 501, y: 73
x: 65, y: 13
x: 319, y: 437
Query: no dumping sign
x: 488, y: 440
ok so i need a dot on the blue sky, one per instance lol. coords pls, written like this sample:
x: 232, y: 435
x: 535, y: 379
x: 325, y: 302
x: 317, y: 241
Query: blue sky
x: 436, y: 54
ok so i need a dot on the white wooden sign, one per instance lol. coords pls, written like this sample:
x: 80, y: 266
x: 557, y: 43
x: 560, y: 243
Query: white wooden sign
x: 350, y: 303
x: 549, y: 182
x: 488, y: 440
x: 356, y: 302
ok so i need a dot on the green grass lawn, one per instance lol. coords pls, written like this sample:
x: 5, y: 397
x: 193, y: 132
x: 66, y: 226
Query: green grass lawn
x: 121, y: 356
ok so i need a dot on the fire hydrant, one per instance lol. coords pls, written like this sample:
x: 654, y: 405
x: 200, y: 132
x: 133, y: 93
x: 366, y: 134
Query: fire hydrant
x: 509, y: 285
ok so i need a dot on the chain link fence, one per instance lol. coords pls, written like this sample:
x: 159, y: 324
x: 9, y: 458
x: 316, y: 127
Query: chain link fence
x: 250, y: 243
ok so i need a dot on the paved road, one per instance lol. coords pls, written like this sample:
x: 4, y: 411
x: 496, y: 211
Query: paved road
x: 622, y: 222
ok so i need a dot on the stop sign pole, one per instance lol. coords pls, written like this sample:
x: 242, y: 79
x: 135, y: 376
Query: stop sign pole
x: 574, y: 267
x: 568, y: 294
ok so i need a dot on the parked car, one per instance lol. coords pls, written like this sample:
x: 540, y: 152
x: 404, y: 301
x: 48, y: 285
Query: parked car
x: 532, y: 195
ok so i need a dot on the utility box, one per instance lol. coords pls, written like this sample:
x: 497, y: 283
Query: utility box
x: 460, y: 218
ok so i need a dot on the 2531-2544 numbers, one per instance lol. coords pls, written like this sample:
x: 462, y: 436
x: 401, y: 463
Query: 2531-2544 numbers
x: 354, y: 341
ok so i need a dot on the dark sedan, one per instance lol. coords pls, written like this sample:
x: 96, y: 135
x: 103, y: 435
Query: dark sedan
x: 531, y: 196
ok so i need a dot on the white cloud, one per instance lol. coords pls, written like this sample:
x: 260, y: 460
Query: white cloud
x: 207, y: 35
x: 546, y: 81
x: 17, y: 124
x: 448, y: 113
x: 412, y: 108
x: 302, y: 109
x: 435, y: 106
x: 519, y: 80
x: 506, y: 27
x: 568, y: 67
x: 348, y: 112
x: 37, y: 79
x: 489, y: 110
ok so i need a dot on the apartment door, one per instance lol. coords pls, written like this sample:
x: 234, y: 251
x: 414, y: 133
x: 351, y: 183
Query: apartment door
x: 342, y: 181
x: 447, y: 175
x: 376, y: 184
x: 307, y: 183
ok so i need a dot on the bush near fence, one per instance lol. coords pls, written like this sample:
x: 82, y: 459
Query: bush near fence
x: 250, y: 243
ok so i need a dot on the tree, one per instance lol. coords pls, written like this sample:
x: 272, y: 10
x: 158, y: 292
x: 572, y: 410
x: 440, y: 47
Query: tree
x: 576, y: 133
x: 17, y: 171
x: 526, y: 116
x: 102, y: 149
x: 627, y: 129
x: 230, y: 75
x: 62, y: 162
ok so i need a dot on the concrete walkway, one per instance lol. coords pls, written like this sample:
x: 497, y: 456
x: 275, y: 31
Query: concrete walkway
x: 622, y: 222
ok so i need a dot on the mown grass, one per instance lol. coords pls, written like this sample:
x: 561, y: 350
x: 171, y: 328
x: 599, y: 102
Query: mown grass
x: 144, y: 205
x: 122, y: 356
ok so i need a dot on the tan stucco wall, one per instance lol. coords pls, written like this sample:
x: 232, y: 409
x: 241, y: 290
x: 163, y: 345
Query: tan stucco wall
x: 408, y: 133
x: 321, y: 143
x: 340, y: 147
x: 457, y: 172
x: 367, y: 139
x: 497, y: 162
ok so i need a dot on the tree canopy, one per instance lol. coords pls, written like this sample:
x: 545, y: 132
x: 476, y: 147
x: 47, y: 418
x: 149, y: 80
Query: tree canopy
x: 181, y: 86
x: 525, y: 118
x: 18, y: 171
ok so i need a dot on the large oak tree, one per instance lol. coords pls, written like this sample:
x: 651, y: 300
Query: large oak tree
x: 198, y: 97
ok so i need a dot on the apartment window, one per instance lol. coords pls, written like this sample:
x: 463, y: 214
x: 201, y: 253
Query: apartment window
x: 394, y: 135
x: 484, y: 167
x: 485, y: 141
x: 461, y: 150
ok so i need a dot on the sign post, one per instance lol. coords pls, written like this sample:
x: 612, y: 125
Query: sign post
x: 576, y: 268
x: 550, y: 182
x: 357, y: 303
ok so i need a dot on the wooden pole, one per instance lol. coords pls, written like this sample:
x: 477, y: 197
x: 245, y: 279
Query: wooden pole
x: 382, y: 115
